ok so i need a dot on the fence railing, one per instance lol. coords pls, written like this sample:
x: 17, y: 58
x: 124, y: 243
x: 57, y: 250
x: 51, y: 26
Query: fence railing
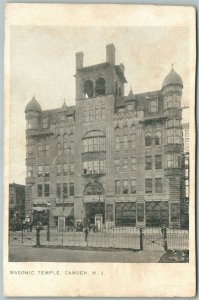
x: 121, y: 238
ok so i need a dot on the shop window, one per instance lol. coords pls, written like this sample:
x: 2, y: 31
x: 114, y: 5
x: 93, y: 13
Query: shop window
x: 109, y: 212
x: 148, y: 163
x: 133, y: 186
x: 125, y: 186
x: 158, y: 185
x: 47, y: 190
x: 148, y: 185
x: 148, y: 139
x: 88, y: 89
x: 140, y: 212
x: 100, y: 87
x: 158, y: 161
x: 39, y: 190
x: 72, y: 190
x: 117, y: 187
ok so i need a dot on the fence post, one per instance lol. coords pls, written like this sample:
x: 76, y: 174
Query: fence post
x: 141, y: 239
x: 165, y: 238
x: 22, y: 234
x: 37, y: 236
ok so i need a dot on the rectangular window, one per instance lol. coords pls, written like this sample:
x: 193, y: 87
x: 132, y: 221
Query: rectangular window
x: 148, y: 185
x: 65, y: 170
x: 29, y: 171
x: 117, y: 187
x: 95, y: 144
x: 47, y: 150
x: 102, y: 166
x: 158, y: 161
x: 85, y: 167
x: 168, y: 102
x: 72, y: 189
x: 40, y: 171
x: 125, y: 186
x: 133, y: 186
x: 153, y: 106
x: 117, y: 142
x: 148, y: 163
x: 91, y: 114
x: 40, y: 152
x: 95, y: 166
x: 101, y: 143
x: 71, y: 169
x: 44, y: 122
x: 64, y: 190
x: 58, y: 190
x: 97, y: 113
x: 86, y: 116
x: 29, y: 151
x: 125, y: 164
x: 117, y: 165
x: 90, y: 144
x: 85, y: 145
x: 47, y: 170
x: 133, y: 163
x: 39, y: 190
x: 173, y: 160
x: 125, y: 142
x: 158, y: 185
x: 58, y: 169
x: 47, y: 190
x: 103, y: 112
x: 72, y: 147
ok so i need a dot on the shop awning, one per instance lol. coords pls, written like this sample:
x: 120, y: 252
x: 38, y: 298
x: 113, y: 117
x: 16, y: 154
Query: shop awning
x: 60, y: 212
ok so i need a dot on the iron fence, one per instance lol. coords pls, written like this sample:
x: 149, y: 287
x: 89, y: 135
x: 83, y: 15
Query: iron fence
x: 113, y: 237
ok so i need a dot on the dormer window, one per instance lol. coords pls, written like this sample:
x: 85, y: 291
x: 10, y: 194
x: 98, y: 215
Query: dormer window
x: 153, y: 106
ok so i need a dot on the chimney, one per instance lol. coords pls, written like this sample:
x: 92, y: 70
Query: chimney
x: 79, y: 60
x: 110, y: 54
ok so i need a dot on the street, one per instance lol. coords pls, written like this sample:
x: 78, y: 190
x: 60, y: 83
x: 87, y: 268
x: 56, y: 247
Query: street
x: 28, y: 253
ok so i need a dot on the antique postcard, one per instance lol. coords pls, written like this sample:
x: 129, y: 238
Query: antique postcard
x: 99, y: 150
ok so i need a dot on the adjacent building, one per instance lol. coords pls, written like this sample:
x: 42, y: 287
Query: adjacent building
x: 111, y: 158
x: 16, y: 203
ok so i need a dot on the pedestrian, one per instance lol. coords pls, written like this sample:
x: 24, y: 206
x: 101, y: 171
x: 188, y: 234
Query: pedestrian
x: 86, y: 234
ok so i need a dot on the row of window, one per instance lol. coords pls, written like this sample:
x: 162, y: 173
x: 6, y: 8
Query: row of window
x: 64, y: 169
x: 127, y: 187
x: 94, y: 113
x: 94, y: 144
x: 61, y: 190
x: 94, y: 167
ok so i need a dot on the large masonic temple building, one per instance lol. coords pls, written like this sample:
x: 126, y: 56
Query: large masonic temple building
x: 113, y: 157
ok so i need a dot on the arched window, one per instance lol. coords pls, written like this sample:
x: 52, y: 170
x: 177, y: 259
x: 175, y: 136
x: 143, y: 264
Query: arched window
x: 88, y: 89
x: 94, y: 189
x: 94, y: 141
x: 100, y: 87
x: 157, y: 138
x: 148, y: 139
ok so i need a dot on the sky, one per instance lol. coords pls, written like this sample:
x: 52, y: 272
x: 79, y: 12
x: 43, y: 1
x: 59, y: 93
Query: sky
x: 42, y: 63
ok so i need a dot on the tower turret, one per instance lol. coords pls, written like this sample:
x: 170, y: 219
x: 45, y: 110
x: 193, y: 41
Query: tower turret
x: 33, y: 111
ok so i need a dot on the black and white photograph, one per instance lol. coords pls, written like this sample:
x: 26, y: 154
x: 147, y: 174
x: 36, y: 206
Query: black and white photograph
x: 99, y: 144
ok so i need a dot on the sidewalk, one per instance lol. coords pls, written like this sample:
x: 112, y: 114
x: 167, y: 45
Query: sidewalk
x: 63, y: 254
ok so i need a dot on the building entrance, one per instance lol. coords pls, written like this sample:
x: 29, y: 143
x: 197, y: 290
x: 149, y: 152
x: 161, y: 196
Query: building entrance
x: 93, y: 209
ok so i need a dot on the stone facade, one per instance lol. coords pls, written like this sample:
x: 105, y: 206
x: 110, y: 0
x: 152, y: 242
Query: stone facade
x: 110, y: 156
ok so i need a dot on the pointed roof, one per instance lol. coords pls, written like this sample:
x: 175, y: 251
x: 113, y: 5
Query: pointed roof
x: 130, y: 96
x: 64, y: 107
x: 33, y: 105
x: 172, y: 78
